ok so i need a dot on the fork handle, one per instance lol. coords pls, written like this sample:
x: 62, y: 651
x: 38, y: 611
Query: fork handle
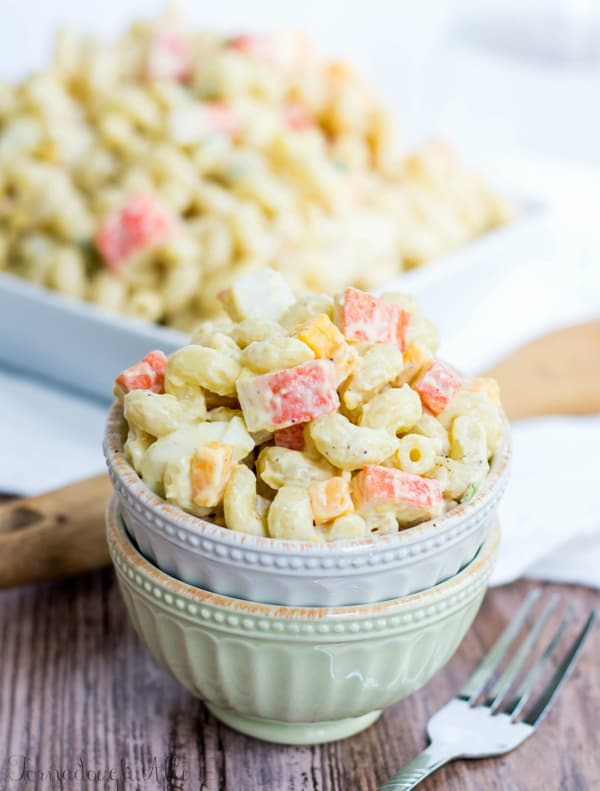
x: 420, y: 767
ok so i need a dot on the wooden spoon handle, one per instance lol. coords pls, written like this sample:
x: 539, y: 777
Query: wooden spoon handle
x: 556, y: 374
x: 54, y: 535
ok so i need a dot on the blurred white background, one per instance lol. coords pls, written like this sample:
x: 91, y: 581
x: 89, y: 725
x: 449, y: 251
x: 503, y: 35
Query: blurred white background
x: 494, y: 76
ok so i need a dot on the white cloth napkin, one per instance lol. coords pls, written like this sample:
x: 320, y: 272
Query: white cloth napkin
x: 550, y: 516
x: 49, y: 437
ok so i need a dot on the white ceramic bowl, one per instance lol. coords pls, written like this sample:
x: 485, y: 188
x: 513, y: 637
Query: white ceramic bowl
x: 298, y: 573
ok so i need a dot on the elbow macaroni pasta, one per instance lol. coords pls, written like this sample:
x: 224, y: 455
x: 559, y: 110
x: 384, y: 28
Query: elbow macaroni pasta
x: 279, y: 467
x: 347, y: 446
x: 314, y: 470
x: 148, y: 173
x: 152, y: 413
x: 290, y: 515
x: 378, y: 366
x: 275, y: 353
x: 415, y: 454
x: 397, y: 410
x: 240, y: 506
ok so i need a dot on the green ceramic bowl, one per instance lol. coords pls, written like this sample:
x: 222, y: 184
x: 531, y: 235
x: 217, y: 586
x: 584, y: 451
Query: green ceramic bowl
x: 296, y: 675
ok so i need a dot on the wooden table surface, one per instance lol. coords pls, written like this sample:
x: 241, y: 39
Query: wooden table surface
x: 81, y: 697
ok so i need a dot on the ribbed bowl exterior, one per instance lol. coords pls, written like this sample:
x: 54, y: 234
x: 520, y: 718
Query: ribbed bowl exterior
x: 292, y: 664
x: 299, y: 573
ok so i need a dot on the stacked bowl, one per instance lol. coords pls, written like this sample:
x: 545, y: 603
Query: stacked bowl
x: 290, y: 641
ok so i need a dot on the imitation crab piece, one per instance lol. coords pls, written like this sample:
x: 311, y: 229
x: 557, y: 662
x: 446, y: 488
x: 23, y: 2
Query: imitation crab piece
x: 209, y: 472
x: 221, y: 117
x: 296, y: 117
x: 295, y: 395
x: 367, y: 319
x: 330, y: 499
x: 140, y: 223
x: 436, y: 387
x: 169, y: 55
x: 256, y: 46
x: 410, y: 497
x: 147, y: 374
x: 284, y: 48
x: 291, y: 437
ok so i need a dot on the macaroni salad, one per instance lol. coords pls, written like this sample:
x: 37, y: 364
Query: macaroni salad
x: 147, y: 174
x: 314, y: 419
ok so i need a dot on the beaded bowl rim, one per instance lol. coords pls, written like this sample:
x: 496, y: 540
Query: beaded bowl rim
x: 159, y: 513
x: 162, y: 588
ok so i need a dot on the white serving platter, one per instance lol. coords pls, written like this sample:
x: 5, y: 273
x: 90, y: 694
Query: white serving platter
x: 71, y: 342
x: 80, y: 346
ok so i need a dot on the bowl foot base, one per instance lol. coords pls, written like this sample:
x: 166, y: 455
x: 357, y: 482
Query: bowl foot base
x: 294, y: 732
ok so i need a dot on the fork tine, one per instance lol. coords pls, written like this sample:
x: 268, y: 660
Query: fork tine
x: 544, y: 701
x: 476, y: 684
x: 502, y: 685
x: 521, y: 696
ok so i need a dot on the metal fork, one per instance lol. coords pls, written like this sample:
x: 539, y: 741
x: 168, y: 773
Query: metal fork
x: 463, y: 730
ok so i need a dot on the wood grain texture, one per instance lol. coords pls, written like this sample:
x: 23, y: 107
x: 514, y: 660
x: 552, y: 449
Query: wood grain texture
x: 79, y: 693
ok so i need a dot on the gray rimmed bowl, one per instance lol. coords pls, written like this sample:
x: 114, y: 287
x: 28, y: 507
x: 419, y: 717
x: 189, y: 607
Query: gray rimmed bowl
x: 295, y: 675
x: 299, y: 573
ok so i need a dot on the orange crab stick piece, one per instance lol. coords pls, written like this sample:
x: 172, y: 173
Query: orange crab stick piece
x: 436, y: 387
x: 294, y: 395
x: 221, y: 118
x: 260, y: 46
x: 409, y: 496
x: 367, y: 319
x: 209, y: 473
x: 291, y: 437
x: 284, y: 47
x: 140, y: 223
x: 169, y: 55
x: 147, y: 374
x: 330, y: 499
x: 297, y: 117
